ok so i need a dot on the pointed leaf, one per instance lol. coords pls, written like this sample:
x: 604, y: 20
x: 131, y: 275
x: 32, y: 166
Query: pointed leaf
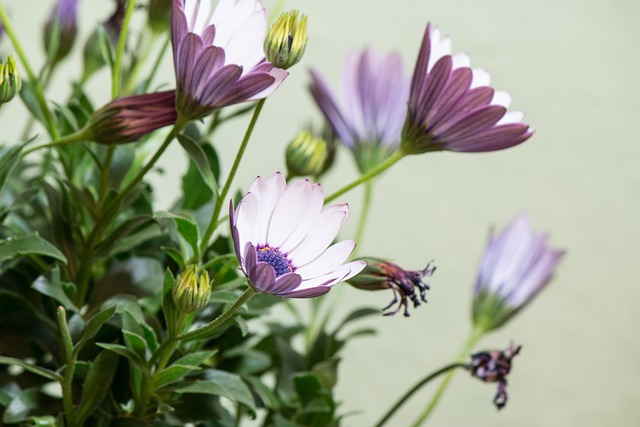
x: 27, y: 245
x: 31, y: 368
x: 200, y: 159
x: 97, y: 383
x: 172, y: 374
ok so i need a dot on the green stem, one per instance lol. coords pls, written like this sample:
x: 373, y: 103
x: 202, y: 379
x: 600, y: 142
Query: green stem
x: 122, y: 41
x: 37, y: 87
x: 79, y: 136
x: 390, y: 161
x: 206, y: 329
x: 364, y: 214
x: 474, y: 337
x: 225, y: 190
x: 67, y: 383
x: 405, y: 397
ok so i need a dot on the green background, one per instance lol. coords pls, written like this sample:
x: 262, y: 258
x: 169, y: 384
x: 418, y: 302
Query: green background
x: 573, y: 67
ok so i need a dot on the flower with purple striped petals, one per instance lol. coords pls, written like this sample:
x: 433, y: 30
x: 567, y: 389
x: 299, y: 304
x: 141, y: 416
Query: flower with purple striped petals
x: 218, y: 56
x: 515, y: 266
x: 282, y: 238
x: 65, y: 12
x: 452, y: 107
x: 368, y: 119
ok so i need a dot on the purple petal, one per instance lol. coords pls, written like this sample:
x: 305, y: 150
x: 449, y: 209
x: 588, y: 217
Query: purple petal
x: 328, y: 105
x: 286, y: 283
x: 263, y: 277
x: 246, y: 87
x: 435, y: 85
x: 420, y: 70
x: 496, y: 138
x: 220, y: 83
x: 307, y: 293
x: 472, y: 123
x: 189, y: 49
x: 210, y: 60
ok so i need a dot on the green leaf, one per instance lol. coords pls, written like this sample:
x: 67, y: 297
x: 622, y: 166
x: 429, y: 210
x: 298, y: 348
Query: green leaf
x: 196, y: 359
x: 28, y: 95
x: 168, y: 306
x: 172, y: 374
x: 308, y: 387
x: 357, y: 314
x: 94, y: 324
x: 53, y: 288
x: 31, y: 368
x: 200, y: 159
x: 221, y: 383
x: 135, y: 343
x: 124, y: 352
x: 187, y: 228
x: 27, y: 245
x: 9, y: 159
x: 97, y: 384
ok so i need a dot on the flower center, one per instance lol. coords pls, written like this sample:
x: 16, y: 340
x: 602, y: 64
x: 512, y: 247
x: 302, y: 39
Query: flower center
x: 275, y: 259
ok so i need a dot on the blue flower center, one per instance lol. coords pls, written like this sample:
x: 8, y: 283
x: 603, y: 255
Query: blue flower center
x: 275, y: 259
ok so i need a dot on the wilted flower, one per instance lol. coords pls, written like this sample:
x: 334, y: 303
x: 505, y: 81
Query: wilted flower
x: 515, y: 266
x: 307, y: 155
x: 10, y: 82
x: 493, y: 367
x: 282, y: 235
x: 92, y: 56
x: 64, y: 15
x: 218, y: 56
x: 192, y: 290
x: 369, y: 117
x: 130, y: 118
x: 287, y: 40
x: 452, y: 107
x: 381, y: 274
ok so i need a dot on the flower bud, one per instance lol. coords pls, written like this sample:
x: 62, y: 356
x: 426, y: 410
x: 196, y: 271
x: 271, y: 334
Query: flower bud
x: 64, y: 16
x: 493, y: 367
x: 130, y: 118
x: 10, y: 82
x: 380, y: 274
x: 286, y: 42
x: 192, y: 290
x: 159, y: 15
x: 307, y: 155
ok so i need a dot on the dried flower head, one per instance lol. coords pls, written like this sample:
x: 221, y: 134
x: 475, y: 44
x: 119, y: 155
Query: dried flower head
x: 452, y: 107
x: 218, y: 56
x: 515, y: 266
x: 380, y: 274
x: 282, y: 238
x: 493, y: 367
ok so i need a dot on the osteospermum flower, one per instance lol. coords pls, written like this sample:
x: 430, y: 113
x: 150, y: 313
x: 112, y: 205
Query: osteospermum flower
x: 282, y: 238
x: 369, y: 116
x: 452, y: 107
x: 515, y: 266
x: 218, y: 56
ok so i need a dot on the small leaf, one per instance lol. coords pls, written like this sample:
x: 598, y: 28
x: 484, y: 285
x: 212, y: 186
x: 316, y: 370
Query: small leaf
x: 9, y: 159
x: 53, y: 288
x: 196, y: 359
x: 168, y: 306
x: 27, y: 245
x: 221, y: 383
x: 94, y: 324
x: 308, y: 387
x: 31, y: 368
x: 124, y: 352
x: 135, y: 343
x: 97, y: 384
x: 187, y: 228
x: 200, y: 159
x: 172, y: 374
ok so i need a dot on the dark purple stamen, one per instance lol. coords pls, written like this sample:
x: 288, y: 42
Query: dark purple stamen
x: 275, y: 259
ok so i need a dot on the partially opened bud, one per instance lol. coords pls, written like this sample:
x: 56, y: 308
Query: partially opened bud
x: 286, y: 42
x: 10, y: 82
x: 380, y: 274
x: 63, y: 16
x: 307, y: 155
x: 192, y: 290
x: 130, y: 118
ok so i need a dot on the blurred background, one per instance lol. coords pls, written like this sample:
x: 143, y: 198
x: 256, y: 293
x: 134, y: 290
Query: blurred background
x: 572, y: 66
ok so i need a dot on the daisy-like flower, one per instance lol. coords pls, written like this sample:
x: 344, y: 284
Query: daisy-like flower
x: 65, y: 12
x: 218, y: 56
x: 369, y: 117
x: 515, y: 266
x: 452, y: 107
x: 282, y: 238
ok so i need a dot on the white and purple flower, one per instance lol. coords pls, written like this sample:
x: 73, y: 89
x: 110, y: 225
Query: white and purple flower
x: 282, y: 238
x: 515, y: 266
x: 452, y: 107
x: 369, y: 116
x: 218, y: 56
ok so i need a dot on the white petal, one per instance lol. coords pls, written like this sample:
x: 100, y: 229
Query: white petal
x: 308, y: 219
x: 344, y: 272
x: 279, y: 75
x: 481, y: 77
x: 203, y: 17
x: 501, y: 97
x: 246, y: 220
x: 322, y: 234
x: 461, y: 60
x: 511, y: 117
x: 268, y: 192
x: 329, y: 260
x: 244, y: 45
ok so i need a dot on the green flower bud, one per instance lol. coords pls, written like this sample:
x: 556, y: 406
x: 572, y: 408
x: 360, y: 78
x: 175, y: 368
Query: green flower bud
x: 286, y: 42
x: 306, y: 155
x: 159, y: 15
x: 10, y: 83
x: 192, y: 290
